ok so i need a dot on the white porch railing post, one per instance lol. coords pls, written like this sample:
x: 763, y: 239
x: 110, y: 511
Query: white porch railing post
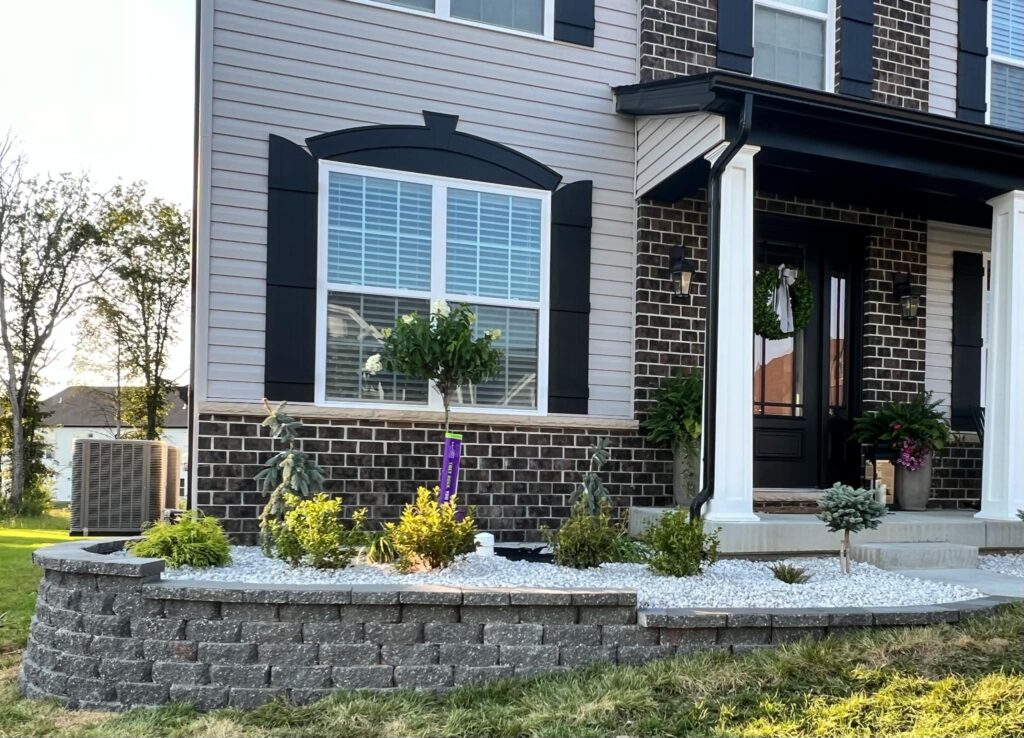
x: 734, y: 424
x: 1002, y: 479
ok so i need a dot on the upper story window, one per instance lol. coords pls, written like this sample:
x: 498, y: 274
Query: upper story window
x: 534, y: 17
x: 391, y: 243
x: 794, y: 41
x: 1006, y: 71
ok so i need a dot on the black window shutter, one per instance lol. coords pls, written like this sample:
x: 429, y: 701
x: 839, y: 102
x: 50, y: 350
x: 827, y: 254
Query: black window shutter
x: 569, y: 314
x: 856, y: 47
x: 736, y: 35
x: 971, y: 61
x: 574, y: 21
x: 968, y: 293
x: 290, y: 364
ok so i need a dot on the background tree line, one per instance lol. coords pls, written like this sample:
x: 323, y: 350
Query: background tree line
x: 118, y: 262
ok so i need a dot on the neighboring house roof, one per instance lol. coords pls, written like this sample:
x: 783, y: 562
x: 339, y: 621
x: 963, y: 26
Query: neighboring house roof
x: 93, y: 407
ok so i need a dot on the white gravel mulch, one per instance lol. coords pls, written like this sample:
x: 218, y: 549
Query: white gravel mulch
x: 727, y: 583
x: 1012, y: 564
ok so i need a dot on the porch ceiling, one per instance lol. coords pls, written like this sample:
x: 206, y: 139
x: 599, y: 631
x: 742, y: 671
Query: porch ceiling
x: 825, y: 145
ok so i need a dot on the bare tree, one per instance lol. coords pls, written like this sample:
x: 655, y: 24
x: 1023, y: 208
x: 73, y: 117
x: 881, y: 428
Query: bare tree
x: 47, y: 244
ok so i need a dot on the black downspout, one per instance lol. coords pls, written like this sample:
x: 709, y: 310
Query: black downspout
x: 711, y: 320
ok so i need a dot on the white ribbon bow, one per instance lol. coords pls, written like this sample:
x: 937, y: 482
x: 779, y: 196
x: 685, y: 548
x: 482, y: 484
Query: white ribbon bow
x: 780, y: 300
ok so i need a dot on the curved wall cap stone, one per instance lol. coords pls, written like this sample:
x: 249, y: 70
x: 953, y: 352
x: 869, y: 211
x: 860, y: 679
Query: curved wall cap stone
x: 90, y: 557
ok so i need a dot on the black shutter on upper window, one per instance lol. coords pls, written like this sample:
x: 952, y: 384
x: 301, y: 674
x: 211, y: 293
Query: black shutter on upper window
x: 856, y: 48
x: 972, y: 60
x: 574, y: 21
x: 736, y: 35
x: 968, y: 294
x: 569, y: 314
x: 290, y: 364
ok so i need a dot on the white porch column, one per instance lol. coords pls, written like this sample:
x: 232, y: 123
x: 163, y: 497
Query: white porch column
x: 1002, y: 480
x: 734, y: 421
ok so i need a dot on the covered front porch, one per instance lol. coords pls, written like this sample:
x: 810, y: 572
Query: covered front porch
x: 764, y: 161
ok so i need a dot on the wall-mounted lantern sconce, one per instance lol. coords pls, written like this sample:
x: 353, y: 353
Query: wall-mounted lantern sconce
x: 907, y: 296
x: 681, y: 272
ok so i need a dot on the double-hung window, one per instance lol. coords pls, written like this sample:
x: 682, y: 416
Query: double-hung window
x: 794, y: 41
x: 535, y: 17
x: 1006, y: 64
x: 394, y: 243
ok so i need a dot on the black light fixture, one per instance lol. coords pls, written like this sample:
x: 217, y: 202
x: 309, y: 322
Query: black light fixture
x: 681, y: 272
x: 908, y: 297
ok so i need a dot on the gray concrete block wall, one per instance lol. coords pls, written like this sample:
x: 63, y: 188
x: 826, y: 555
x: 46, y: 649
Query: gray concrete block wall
x: 214, y: 646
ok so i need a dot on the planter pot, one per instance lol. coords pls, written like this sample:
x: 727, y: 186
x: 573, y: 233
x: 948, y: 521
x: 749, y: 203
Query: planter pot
x: 913, y: 488
x: 684, y: 476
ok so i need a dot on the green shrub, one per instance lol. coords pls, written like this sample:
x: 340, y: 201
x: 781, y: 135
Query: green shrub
x: 790, y: 574
x: 431, y: 534
x: 195, y: 540
x: 678, y: 545
x: 314, y: 534
x: 585, y: 540
x: 37, y: 499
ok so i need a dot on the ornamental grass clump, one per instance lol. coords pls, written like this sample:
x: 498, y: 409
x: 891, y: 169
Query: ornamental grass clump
x: 849, y: 510
x: 194, y: 540
x: 431, y: 534
x: 789, y: 573
x: 313, y: 533
x: 678, y: 545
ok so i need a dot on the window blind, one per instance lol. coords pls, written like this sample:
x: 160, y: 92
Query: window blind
x: 1007, y: 96
x: 789, y: 48
x: 523, y: 15
x: 1008, y: 28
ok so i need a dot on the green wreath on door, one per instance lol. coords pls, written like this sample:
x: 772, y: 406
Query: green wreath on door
x: 801, y: 299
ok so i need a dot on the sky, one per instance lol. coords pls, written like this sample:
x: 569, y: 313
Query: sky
x: 103, y: 87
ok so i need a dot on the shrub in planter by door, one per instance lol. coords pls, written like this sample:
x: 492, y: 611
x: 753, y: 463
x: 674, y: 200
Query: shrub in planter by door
x: 849, y: 510
x: 678, y: 546
x: 431, y: 534
x: 313, y: 533
x: 675, y: 422
x: 194, y: 540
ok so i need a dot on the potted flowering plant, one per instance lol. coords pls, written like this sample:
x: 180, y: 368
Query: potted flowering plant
x: 915, y: 430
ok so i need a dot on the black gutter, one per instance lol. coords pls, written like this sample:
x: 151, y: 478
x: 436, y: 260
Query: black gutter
x: 711, y: 319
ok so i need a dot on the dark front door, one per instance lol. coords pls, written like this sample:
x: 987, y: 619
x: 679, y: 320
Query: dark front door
x: 806, y: 386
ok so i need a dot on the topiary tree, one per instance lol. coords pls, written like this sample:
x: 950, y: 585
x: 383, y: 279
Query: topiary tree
x: 849, y: 510
x: 289, y: 472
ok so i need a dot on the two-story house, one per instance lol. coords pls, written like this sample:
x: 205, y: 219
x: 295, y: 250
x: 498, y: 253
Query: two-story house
x: 563, y: 166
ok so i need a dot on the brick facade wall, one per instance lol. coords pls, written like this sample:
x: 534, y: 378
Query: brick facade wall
x: 956, y: 474
x: 677, y: 38
x: 901, y: 52
x: 519, y: 477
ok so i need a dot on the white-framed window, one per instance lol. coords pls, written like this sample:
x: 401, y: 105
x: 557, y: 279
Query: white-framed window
x: 794, y: 42
x: 1006, y: 64
x: 391, y: 243
x: 526, y: 17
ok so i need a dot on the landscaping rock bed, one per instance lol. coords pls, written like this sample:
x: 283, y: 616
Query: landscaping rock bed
x: 727, y: 583
x: 1012, y: 564
x: 110, y: 633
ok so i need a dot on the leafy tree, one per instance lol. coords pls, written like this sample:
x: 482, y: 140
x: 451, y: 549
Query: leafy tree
x: 48, y: 265
x: 136, y: 310
x: 36, y: 498
x: 136, y: 408
x: 440, y: 348
x: 849, y: 510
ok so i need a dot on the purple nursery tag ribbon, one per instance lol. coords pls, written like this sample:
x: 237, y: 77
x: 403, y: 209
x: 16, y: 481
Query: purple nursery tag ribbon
x: 449, y: 482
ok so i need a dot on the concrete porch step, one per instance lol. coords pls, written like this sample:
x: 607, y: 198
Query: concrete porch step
x: 916, y: 555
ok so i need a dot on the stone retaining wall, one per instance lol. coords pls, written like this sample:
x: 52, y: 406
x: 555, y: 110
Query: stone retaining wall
x: 109, y: 634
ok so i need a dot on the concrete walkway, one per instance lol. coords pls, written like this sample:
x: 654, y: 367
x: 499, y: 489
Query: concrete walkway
x: 989, y: 582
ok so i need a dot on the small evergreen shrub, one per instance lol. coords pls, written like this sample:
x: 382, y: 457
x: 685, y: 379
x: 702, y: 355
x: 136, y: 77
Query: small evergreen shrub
x: 194, y: 540
x: 592, y: 494
x: 588, y: 540
x: 313, y: 533
x: 790, y: 574
x: 430, y: 534
x: 679, y: 547
x: 849, y: 510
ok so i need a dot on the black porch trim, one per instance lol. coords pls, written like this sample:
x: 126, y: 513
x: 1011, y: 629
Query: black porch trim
x: 840, y: 140
x: 434, y: 148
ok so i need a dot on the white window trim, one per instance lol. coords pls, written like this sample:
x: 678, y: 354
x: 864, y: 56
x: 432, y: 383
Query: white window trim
x: 442, y: 11
x: 829, y: 16
x: 438, y: 268
x: 994, y: 58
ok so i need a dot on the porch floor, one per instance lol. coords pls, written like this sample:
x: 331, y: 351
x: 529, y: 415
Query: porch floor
x: 804, y: 533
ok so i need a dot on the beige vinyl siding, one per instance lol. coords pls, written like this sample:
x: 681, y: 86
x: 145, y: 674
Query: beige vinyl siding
x: 664, y: 145
x: 942, y: 58
x: 943, y: 240
x: 297, y: 68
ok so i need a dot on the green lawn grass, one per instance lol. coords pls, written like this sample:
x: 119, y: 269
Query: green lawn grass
x: 935, y: 682
x: 19, y: 577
